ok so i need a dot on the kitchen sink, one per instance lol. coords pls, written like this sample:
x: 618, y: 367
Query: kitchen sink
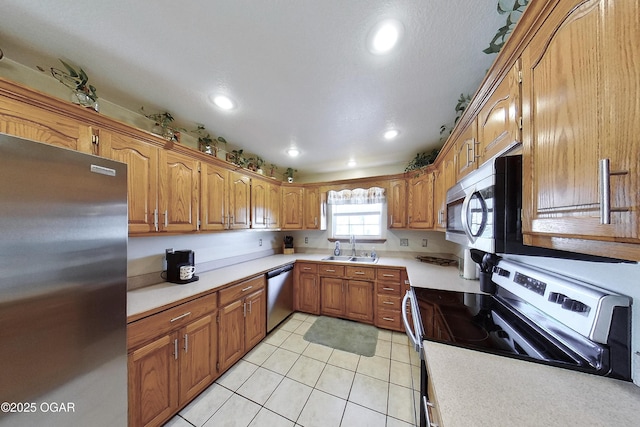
x: 367, y: 260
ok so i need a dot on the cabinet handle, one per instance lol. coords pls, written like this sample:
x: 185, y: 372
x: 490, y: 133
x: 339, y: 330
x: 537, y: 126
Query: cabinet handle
x: 604, y: 172
x: 428, y: 405
x: 330, y: 271
x: 315, y: 221
x: 388, y: 275
x: 250, y: 304
x: 388, y: 289
x: 244, y: 309
x: 389, y: 319
x: 166, y: 218
x: 175, y: 349
x: 391, y: 221
x: 306, y: 268
x: 388, y: 302
x: 247, y: 288
x: 186, y: 343
x: 179, y: 317
x: 155, y: 219
x: 476, y: 144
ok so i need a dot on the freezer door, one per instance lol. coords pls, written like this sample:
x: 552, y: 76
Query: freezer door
x: 63, y: 272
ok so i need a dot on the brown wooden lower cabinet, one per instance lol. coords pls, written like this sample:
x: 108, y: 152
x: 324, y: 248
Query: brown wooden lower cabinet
x: 351, y: 299
x: 242, y: 319
x: 168, y: 370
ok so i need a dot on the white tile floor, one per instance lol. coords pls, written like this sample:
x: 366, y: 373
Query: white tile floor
x: 286, y: 381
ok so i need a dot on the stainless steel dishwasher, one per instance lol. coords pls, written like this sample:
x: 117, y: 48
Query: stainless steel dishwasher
x: 279, y: 295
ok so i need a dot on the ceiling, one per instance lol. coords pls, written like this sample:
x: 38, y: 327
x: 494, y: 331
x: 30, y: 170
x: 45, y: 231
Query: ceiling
x: 299, y: 71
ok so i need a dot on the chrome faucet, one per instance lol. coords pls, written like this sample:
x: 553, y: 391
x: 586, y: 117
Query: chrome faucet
x: 352, y: 240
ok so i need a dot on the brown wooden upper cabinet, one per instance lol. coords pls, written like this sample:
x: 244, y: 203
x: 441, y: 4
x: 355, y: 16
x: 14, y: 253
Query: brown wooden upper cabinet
x: 179, y: 192
x: 581, y: 121
x: 445, y: 178
x: 43, y: 125
x: 142, y: 178
x: 292, y: 210
x: 315, y: 209
x: 265, y: 204
x: 397, y: 203
x: 500, y: 117
x: 420, y: 206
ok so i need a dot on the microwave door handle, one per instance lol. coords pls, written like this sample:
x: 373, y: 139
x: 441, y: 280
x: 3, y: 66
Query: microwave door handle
x: 464, y: 217
x: 411, y: 332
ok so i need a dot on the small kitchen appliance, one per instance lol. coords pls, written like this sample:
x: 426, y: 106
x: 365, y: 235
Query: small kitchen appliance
x: 181, y: 266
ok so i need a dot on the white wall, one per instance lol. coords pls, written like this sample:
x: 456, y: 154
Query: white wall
x: 318, y: 242
x: 145, y: 255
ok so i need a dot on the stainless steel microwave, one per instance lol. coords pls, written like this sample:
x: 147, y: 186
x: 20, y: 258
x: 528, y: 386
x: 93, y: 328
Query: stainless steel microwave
x: 483, y: 209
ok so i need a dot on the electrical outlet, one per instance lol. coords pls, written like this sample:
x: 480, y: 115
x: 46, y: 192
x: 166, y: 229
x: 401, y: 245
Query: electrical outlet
x: 306, y: 240
x: 404, y: 242
x: 259, y: 242
x: 424, y: 243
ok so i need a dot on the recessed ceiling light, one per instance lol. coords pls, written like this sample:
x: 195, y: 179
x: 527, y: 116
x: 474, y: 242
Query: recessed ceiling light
x: 293, y: 152
x: 391, y: 133
x: 384, y: 36
x: 351, y: 163
x: 223, y: 102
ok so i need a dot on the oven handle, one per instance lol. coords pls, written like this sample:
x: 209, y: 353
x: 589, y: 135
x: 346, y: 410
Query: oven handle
x: 412, y: 333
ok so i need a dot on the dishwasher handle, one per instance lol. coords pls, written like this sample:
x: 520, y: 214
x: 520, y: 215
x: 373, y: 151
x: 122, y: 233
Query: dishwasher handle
x: 279, y: 271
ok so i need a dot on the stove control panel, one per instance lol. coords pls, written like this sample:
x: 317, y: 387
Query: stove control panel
x: 580, y: 306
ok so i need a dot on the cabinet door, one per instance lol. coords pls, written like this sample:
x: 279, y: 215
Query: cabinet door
x: 292, y: 216
x: 198, y: 356
x: 256, y: 318
x: 584, y: 59
x: 465, y: 147
x: 444, y: 180
x: 499, y: 118
x: 179, y: 193
x: 359, y: 300
x: 315, y: 216
x: 142, y: 178
x: 397, y: 203
x: 26, y: 121
x: 332, y: 296
x: 308, y: 298
x: 273, y: 206
x: 153, y: 382
x: 421, y: 201
x: 259, y: 203
x: 231, y: 332
x: 240, y: 201
x: 215, y: 198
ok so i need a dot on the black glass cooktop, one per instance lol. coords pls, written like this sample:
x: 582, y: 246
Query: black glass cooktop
x: 486, y: 323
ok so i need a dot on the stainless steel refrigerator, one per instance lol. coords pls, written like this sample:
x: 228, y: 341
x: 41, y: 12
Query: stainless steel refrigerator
x: 63, y: 273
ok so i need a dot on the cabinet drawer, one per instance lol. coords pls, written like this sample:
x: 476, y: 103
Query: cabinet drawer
x: 331, y: 270
x: 171, y: 319
x: 388, y: 288
x: 307, y: 268
x: 240, y: 290
x: 361, y: 273
x: 390, y: 319
x: 389, y: 302
x: 389, y: 275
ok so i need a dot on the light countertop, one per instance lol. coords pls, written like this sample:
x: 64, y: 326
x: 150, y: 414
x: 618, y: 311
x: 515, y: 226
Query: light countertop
x: 156, y: 297
x: 478, y: 389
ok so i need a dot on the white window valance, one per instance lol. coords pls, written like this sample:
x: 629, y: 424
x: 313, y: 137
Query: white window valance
x: 357, y: 196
